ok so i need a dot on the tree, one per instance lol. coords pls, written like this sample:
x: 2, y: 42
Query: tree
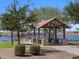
x: 10, y: 19
x: 16, y: 19
x: 7, y: 23
x: 72, y: 11
x: 13, y: 18
x: 47, y: 12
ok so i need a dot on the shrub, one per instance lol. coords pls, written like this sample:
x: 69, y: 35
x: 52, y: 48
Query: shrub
x: 76, y: 57
x: 50, y: 40
x: 35, y: 49
x: 56, y: 40
x: 19, y: 50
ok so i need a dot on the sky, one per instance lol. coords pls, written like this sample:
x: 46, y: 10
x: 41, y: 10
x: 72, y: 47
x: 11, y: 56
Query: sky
x: 74, y: 27
x: 35, y: 4
x: 60, y: 4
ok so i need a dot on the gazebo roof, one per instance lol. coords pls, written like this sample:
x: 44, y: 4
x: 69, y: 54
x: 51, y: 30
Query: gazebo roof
x: 53, y: 22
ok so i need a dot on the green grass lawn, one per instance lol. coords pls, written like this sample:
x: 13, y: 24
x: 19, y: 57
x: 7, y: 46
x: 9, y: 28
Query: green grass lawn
x: 74, y: 41
x: 6, y: 44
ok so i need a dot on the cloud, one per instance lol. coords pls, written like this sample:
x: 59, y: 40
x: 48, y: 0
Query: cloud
x: 73, y: 28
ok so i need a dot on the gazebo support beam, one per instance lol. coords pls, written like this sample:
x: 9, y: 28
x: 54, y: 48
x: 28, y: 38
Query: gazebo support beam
x: 63, y: 32
x: 55, y: 32
x: 38, y: 36
x: 44, y: 33
x: 65, y: 42
x: 34, y: 33
x: 38, y: 33
x: 49, y: 32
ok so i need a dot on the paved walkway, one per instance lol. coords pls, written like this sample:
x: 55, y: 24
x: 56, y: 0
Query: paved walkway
x: 69, y: 49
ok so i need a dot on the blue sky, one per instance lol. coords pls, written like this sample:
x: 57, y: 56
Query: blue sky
x: 38, y: 4
x: 73, y: 28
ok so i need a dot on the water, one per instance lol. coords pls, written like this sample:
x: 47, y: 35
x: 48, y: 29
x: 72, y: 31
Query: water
x: 6, y: 38
x: 70, y: 37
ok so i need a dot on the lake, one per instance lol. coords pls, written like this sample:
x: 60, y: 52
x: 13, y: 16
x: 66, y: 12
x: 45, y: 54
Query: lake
x: 6, y: 38
x: 68, y: 37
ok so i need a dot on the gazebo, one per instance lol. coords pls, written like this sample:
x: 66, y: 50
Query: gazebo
x: 39, y: 33
x: 51, y: 24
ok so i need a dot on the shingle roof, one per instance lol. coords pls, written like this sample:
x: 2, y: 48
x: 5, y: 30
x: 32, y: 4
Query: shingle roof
x: 44, y: 22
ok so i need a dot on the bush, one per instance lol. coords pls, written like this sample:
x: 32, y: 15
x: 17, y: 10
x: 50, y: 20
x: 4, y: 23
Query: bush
x: 50, y: 40
x: 19, y: 50
x: 56, y: 40
x: 35, y: 49
x: 76, y: 57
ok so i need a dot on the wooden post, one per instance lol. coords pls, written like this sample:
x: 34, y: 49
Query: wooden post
x: 33, y: 39
x: 45, y: 41
x: 55, y: 32
x: 34, y: 33
x: 65, y: 42
x: 38, y: 36
x: 49, y: 33
x: 56, y: 40
x: 44, y: 33
x: 63, y: 32
x: 55, y: 29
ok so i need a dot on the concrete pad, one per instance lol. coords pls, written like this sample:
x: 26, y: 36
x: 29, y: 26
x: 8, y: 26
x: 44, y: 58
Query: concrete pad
x: 69, y: 49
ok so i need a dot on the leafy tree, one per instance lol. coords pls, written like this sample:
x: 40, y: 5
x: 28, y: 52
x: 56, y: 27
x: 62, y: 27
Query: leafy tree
x: 16, y: 19
x: 72, y: 11
x: 13, y: 17
x: 7, y: 23
x: 47, y: 12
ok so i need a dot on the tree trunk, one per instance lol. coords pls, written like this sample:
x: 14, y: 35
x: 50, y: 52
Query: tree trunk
x: 18, y: 35
x: 12, y: 37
